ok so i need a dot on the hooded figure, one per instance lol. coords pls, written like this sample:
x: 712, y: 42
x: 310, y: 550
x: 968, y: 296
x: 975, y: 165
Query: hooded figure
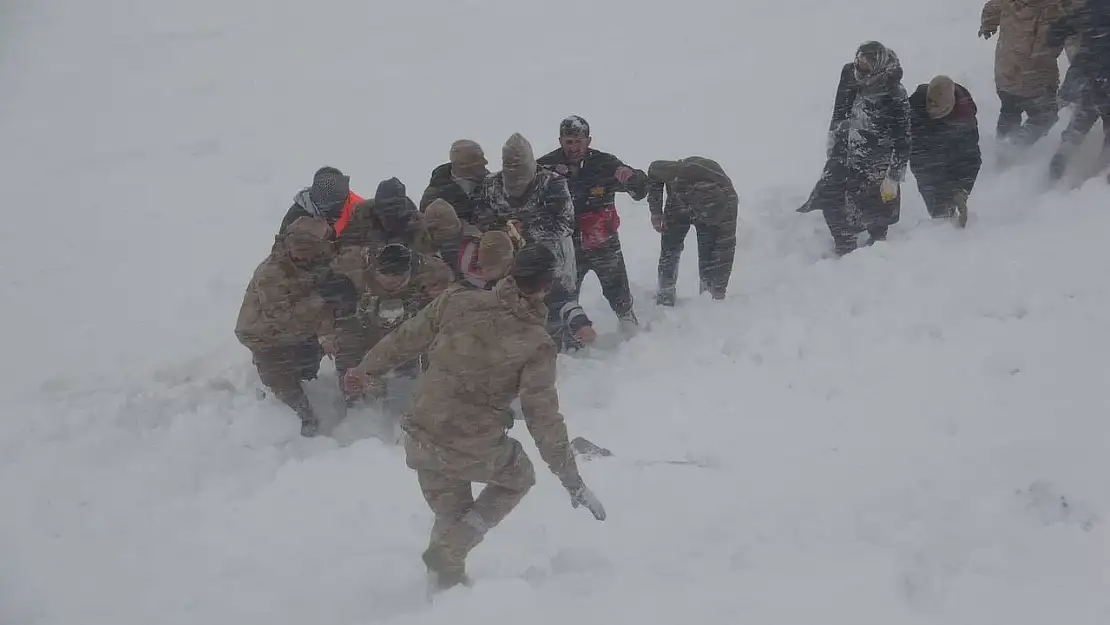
x: 458, y: 181
x: 283, y: 313
x: 329, y: 197
x: 868, y: 149
x: 537, y: 202
x: 944, y: 155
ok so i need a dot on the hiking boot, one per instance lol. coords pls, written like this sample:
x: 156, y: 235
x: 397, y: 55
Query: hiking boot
x: 629, y: 324
x: 665, y: 298
x: 442, y: 572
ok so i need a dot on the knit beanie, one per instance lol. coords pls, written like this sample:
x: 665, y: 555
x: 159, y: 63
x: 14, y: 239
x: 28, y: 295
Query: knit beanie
x: 940, y: 99
x: 441, y: 221
x: 518, y: 165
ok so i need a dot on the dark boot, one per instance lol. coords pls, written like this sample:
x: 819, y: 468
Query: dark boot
x: 442, y: 572
x: 876, y: 234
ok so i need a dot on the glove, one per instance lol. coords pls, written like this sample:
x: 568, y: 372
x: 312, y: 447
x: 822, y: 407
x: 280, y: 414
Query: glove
x: 657, y: 223
x: 888, y: 190
x: 356, y: 383
x: 586, y: 335
x: 986, y: 33
x: 583, y: 496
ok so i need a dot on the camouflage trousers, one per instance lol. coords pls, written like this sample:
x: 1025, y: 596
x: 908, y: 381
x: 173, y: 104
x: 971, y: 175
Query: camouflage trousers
x: 281, y: 368
x: 461, y: 519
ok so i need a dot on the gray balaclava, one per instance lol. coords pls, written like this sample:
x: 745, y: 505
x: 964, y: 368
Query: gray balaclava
x: 518, y: 165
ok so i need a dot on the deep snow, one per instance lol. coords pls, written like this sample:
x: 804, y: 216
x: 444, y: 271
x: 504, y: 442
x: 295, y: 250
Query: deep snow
x: 890, y: 437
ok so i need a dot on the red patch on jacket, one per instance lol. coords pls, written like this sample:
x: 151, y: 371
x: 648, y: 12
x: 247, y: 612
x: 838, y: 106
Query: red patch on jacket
x: 597, y: 227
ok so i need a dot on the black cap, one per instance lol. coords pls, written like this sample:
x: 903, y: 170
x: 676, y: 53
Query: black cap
x: 574, y: 126
x: 533, y: 261
x: 390, y: 189
x: 393, y: 260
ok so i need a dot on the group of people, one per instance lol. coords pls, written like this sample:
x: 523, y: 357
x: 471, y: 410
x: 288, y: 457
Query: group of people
x: 877, y: 130
x: 474, y: 290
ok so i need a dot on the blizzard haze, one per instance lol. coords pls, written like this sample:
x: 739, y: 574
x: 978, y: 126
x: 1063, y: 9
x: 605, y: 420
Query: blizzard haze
x: 913, y: 434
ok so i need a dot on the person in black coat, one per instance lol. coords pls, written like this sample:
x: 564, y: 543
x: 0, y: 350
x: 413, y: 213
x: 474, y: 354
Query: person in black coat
x: 594, y: 178
x: 868, y: 149
x: 330, y: 197
x: 1089, y: 76
x: 944, y: 154
x: 458, y: 181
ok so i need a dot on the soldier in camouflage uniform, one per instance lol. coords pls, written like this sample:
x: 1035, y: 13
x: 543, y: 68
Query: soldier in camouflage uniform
x: 392, y: 287
x: 284, y: 311
x: 485, y: 348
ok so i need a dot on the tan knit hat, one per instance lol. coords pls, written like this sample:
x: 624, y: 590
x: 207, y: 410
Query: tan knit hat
x: 940, y: 99
x: 441, y: 220
x: 518, y: 164
x: 467, y: 159
x: 308, y: 238
x: 495, y: 254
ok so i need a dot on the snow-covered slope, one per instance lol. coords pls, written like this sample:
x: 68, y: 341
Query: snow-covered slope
x: 915, y: 433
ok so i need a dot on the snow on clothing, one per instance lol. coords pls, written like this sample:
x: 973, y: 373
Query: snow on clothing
x: 484, y: 349
x: 283, y: 312
x: 546, y: 216
x: 545, y: 213
x: 700, y: 195
x: 593, y: 187
x: 944, y: 156
x: 869, y: 141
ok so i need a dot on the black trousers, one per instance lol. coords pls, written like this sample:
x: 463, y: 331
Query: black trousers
x: 939, y: 194
x: 716, y: 252
x: 607, y: 262
x: 1041, y: 113
x: 851, y: 203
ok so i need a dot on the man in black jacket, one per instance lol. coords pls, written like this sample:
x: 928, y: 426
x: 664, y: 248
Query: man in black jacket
x: 330, y: 197
x: 944, y: 149
x: 595, y: 177
x: 458, y: 181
